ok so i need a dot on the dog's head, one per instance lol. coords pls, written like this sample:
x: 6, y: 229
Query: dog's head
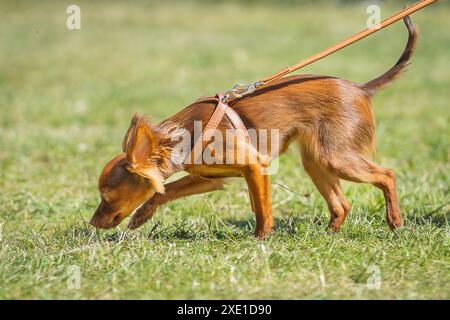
x: 132, y: 177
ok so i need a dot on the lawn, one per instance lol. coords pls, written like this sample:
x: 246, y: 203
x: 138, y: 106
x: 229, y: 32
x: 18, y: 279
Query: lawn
x: 66, y: 99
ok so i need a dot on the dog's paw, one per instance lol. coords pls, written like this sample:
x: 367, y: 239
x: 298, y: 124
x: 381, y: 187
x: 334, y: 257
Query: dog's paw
x: 136, y: 222
x: 142, y: 215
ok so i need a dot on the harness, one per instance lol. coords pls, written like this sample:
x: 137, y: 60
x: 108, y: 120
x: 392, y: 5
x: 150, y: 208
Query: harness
x: 238, y: 91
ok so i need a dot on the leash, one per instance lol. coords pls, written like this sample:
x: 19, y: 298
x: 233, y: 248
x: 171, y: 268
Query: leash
x: 238, y: 91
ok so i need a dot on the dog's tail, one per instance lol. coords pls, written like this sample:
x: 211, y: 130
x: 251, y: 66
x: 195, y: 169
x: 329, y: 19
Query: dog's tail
x: 389, y: 76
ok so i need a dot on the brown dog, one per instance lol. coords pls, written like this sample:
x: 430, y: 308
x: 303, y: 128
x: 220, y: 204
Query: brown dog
x: 331, y: 119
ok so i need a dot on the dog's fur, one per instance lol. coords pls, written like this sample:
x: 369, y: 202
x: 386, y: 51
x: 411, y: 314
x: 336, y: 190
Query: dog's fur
x: 331, y: 119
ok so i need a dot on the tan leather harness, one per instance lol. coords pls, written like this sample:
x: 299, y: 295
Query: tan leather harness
x: 238, y: 91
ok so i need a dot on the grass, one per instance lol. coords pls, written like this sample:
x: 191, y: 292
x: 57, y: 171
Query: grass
x: 66, y: 98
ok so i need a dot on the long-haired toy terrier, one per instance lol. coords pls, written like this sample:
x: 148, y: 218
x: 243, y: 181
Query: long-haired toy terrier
x: 329, y: 118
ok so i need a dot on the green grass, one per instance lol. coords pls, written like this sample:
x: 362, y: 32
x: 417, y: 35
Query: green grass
x: 66, y: 98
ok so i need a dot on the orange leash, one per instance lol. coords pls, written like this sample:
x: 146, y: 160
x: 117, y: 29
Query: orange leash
x: 238, y: 91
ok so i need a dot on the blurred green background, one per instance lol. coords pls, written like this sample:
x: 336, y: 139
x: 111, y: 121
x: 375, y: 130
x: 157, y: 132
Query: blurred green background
x: 66, y: 99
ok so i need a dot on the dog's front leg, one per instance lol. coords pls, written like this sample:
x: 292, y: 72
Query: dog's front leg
x: 183, y: 187
x: 259, y: 188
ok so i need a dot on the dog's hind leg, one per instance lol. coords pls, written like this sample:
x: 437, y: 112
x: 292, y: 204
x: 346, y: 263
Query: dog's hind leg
x: 330, y: 188
x: 357, y: 168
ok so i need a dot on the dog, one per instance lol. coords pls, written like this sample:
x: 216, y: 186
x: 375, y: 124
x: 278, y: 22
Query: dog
x: 331, y: 120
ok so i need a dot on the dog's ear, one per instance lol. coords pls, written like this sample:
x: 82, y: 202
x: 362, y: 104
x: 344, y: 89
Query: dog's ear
x: 139, y: 141
x: 138, y: 144
x: 131, y: 132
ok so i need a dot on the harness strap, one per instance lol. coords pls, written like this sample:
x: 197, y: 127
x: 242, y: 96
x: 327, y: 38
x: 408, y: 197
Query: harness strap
x: 214, y: 121
x: 220, y: 111
x: 236, y: 121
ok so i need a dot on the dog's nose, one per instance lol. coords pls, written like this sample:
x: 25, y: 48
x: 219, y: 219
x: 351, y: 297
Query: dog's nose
x: 100, y: 223
x: 94, y: 222
x: 105, y: 221
x: 96, y: 219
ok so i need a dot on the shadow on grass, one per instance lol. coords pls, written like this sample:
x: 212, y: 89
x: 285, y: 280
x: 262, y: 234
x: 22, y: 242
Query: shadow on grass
x: 244, y: 228
x: 438, y: 220
x: 231, y: 229
x: 438, y: 216
x: 215, y: 228
x: 288, y: 225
